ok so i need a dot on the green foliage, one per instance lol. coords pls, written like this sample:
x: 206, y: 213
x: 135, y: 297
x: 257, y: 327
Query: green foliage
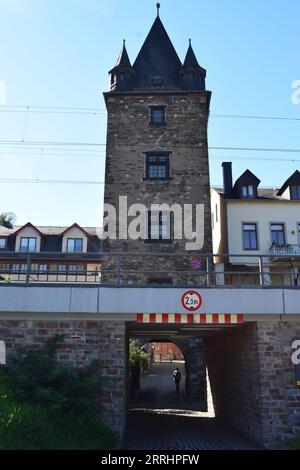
x: 36, y: 376
x: 294, y: 443
x: 137, y: 354
x: 45, y: 405
x: 7, y: 219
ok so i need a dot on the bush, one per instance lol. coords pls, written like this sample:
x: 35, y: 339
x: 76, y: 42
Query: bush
x: 36, y: 376
x: 44, y: 405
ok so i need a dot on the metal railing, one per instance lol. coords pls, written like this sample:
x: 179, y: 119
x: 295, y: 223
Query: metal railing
x: 287, y: 250
x: 142, y: 269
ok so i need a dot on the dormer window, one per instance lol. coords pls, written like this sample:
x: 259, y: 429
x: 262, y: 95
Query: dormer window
x: 248, y: 191
x: 28, y: 244
x: 295, y: 192
x: 74, y: 245
x: 157, y: 115
x: 2, y: 243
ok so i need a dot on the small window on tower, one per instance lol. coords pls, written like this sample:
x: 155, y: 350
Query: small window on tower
x: 157, y: 167
x: 157, y: 115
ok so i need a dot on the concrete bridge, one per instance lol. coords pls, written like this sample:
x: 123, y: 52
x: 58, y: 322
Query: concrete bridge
x: 243, y: 336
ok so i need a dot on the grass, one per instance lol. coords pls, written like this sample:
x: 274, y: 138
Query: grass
x: 29, y: 426
x: 294, y: 444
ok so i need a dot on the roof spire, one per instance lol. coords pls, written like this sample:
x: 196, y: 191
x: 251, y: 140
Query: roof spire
x: 158, y: 7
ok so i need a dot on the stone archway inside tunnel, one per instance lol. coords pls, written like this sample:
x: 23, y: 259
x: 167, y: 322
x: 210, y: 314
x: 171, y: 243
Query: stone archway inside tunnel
x: 192, y: 368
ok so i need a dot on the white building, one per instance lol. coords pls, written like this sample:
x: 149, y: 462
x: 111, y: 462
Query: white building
x: 264, y: 223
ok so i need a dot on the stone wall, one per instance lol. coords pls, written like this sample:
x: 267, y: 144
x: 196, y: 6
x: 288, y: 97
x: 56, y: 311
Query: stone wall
x: 233, y: 368
x: 280, y: 397
x: 129, y: 136
x: 253, y: 379
x: 85, y: 341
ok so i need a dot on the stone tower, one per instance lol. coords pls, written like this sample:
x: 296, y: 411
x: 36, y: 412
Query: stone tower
x: 157, y: 150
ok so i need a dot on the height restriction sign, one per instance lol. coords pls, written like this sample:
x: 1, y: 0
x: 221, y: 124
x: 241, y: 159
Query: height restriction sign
x: 191, y: 300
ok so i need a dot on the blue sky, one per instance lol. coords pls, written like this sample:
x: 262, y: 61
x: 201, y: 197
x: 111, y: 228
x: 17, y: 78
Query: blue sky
x: 58, y: 53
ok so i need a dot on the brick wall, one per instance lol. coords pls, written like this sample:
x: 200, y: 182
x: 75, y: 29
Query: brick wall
x: 85, y: 341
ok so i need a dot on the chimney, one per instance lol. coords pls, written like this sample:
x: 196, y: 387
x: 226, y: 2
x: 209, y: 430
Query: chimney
x: 227, y: 178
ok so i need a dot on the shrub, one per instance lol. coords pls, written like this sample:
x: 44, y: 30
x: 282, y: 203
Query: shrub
x: 36, y: 376
x: 45, y: 405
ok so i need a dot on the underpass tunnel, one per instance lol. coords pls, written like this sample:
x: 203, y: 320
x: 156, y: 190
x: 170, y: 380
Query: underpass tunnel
x: 221, y: 370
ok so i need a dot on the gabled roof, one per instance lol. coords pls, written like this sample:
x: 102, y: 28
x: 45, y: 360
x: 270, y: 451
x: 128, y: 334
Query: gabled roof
x: 29, y: 224
x: 293, y: 179
x: 157, y: 58
x: 246, y: 176
x: 75, y: 225
x: 4, y: 231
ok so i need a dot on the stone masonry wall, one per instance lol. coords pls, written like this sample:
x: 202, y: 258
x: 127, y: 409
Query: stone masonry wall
x: 129, y: 136
x: 233, y: 368
x: 85, y: 341
x: 280, y: 397
x: 253, y: 379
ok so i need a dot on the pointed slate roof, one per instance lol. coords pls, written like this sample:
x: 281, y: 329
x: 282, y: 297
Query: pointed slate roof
x: 157, y: 60
x: 190, y: 58
x: 123, y: 59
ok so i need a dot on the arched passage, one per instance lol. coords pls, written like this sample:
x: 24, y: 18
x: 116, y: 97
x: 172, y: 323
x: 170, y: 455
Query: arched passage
x: 157, y: 389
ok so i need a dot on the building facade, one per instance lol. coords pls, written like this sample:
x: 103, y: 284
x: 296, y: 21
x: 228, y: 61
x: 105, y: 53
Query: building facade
x: 259, y: 225
x: 49, y: 254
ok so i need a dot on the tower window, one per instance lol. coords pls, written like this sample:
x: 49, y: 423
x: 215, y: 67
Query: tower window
x: 159, y: 226
x: 157, y: 167
x: 157, y: 115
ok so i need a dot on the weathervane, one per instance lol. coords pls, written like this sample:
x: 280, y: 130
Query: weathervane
x: 158, y: 7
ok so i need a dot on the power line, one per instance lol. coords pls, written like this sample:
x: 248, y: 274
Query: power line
x: 38, y: 181
x: 98, y: 144
x: 101, y: 155
x: 96, y: 111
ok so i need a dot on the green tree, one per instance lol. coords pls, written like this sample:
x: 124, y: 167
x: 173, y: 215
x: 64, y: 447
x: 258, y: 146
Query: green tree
x: 7, y: 219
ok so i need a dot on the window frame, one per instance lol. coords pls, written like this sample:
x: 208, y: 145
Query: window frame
x: 277, y: 231
x: 156, y: 156
x: 154, y: 108
x: 160, y: 225
x: 74, y: 251
x: 28, y: 241
x: 248, y: 195
x: 250, y: 231
x: 5, y: 243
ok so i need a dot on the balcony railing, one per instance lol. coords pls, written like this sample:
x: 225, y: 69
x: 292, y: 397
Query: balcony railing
x: 285, y: 250
x: 156, y: 270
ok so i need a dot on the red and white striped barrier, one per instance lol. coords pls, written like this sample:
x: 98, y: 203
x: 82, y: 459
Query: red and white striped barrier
x: 191, y: 318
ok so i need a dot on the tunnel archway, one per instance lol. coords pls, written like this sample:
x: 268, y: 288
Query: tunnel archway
x: 193, y: 384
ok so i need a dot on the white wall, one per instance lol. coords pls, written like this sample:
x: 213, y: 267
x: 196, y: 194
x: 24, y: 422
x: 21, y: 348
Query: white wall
x: 263, y: 214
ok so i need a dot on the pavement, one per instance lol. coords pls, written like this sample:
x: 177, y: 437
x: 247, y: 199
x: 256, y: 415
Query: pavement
x: 162, y: 419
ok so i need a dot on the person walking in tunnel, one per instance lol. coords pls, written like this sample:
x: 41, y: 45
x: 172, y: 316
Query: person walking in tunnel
x: 177, y: 378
